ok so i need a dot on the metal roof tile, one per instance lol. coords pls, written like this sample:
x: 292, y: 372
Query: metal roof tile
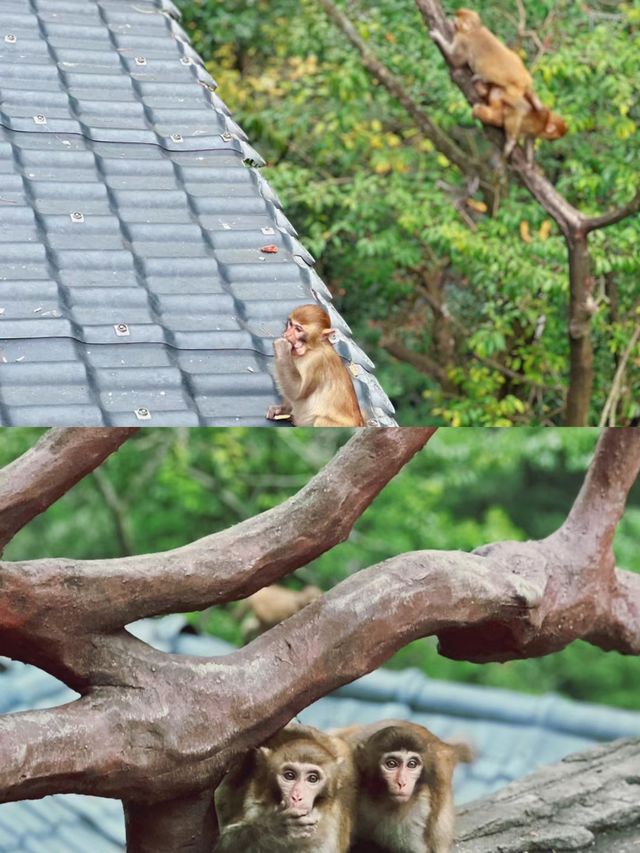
x: 131, y: 228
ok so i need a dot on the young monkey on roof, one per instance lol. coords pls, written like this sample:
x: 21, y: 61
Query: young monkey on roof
x: 315, y: 385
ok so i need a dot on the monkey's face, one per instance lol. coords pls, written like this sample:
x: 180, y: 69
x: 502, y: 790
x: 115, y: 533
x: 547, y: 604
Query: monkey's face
x: 466, y: 20
x: 400, y: 770
x: 300, y: 783
x: 555, y: 127
x: 296, y: 334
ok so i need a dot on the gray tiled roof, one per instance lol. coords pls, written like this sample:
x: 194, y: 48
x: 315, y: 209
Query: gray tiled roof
x: 132, y: 220
x: 511, y: 732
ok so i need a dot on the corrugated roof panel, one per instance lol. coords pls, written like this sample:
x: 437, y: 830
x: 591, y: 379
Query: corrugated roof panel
x: 131, y: 225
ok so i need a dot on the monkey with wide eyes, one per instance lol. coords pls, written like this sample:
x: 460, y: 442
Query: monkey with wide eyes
x: 315, y: 385
x: 534, y: 123
x: 405, y: 801
x: 294, y: 794
x: 494, y: 63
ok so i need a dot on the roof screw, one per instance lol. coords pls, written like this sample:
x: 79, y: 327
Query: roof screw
x: 227, y: 136
x: 140, y: 60
x: 40, y: 119
x: 121, y: 329
x: 186, y: 60
x: 76, y: 216
x: 177, y: 137
x: 268, y: 230
x: 11, y: 38
x: 142, y: 414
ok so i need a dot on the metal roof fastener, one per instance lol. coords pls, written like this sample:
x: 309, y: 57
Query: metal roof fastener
x: 121, y: 329
x: 40, y: 119
x: 10, y: 38
x: 140, y: 60
x: 142, y: 414
x: 227, y: 136
x: 177, y: 137
x: 76, y: 216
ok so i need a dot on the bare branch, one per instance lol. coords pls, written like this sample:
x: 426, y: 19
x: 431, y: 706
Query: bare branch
x: 607, y: 416
x: 606, y: 219
x: 601, y: 501
x: 395, y: 87
x: 222, y: 567
x: 62, y: 457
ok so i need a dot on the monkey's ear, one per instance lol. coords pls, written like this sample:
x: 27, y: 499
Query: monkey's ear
x: 326, y: 333
x: 263, y: 752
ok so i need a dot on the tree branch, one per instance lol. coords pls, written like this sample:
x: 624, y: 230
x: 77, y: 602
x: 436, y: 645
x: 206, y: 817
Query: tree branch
x: 187, y: 717
x: 600, y: 504
x: 395, y: 87
x: 222, y: 567
x: 594, y: 222
x: 62, y: 457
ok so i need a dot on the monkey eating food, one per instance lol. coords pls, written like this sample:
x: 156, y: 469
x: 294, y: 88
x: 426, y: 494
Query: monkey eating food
x: 494, y: 63
x: 405, y: 801
x: 315, y: 385
x: 294, y: 794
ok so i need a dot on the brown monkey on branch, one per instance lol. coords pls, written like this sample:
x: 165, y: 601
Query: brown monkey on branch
x: 534, y: 123
x: 405, y: 801
x: 494, y: 63
x: 294, y: 794
x: 315, y: 385
x: 273, y: 604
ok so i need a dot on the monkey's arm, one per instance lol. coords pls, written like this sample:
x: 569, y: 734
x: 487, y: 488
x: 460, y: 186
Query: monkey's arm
x: 287, y: 374
x: 455, y: 51
x: 254, y: 836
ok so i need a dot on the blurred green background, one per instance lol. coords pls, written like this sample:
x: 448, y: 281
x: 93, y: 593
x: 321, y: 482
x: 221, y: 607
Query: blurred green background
x: 396, y: 227
x: 165, y: 488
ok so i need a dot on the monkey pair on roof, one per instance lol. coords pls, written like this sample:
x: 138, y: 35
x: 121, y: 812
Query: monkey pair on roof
x: 502, y: 80
x: 382, y: 787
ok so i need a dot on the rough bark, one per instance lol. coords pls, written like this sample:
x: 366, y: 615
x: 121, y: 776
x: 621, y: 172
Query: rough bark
x: 153, y: 728
x: 589, y: 801
x: 39, y: 477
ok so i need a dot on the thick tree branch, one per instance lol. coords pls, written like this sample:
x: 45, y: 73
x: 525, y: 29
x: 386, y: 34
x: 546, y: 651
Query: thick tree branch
x: 222, y: 567
x: 62, y: 457
x: 601, y: 501
x: 182, y: 714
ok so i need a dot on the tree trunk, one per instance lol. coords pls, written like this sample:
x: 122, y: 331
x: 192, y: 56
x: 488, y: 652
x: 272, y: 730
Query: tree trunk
x: 580, y: 345
x: 184, y: 825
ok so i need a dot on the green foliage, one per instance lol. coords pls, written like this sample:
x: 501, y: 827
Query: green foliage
x: 385, y: 213
x: 468, y: 487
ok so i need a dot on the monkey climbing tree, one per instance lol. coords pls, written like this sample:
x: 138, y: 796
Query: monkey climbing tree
x: 157, y: 731
x: 488, y: 175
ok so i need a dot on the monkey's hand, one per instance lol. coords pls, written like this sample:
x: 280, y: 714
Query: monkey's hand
x: 278, y: 412
x: 281, y: 348
x: 439, y: 39
x: 300, y: 824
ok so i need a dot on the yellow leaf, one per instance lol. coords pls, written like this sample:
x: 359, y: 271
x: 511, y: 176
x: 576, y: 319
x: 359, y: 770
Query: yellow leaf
x: 545, y: 229
x: 382, y: 167
x: 442, y: 161
x: 525, y: 234
x: 376, y: 125
x: 478, y: 206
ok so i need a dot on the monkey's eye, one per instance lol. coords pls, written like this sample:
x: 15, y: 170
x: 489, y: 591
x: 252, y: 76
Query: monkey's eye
x: 313, y: 778
x: 391, y: 763
x: 413, y: 762
x: 289, y: 775
x: 298, y: 328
